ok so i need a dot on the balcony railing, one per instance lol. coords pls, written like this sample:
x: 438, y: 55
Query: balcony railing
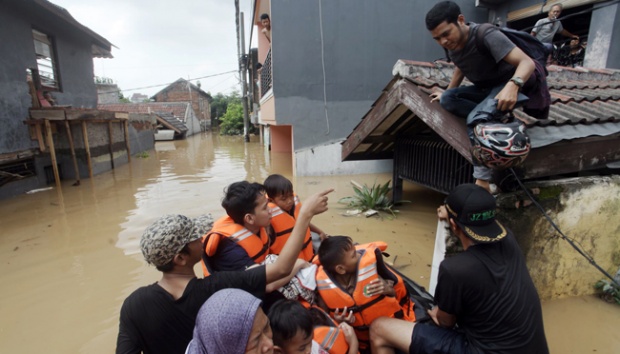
x: 265, y: 75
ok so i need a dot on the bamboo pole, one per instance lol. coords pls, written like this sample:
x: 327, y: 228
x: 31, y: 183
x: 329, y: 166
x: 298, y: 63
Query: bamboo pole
x: 75, y: 164
x: 87, y: 149
x: 126, y: 125
x: 50, y: 142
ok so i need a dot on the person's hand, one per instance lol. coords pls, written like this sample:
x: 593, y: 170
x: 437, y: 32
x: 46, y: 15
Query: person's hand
x: 379, y: 287
x: 323, y: 236
x: 349, y: 336
x: 343, y: 317
x: 507, y: 97
x: 435, y: 96
x: 442, y: 212
x: 433, y: 314
x: 316, y: 204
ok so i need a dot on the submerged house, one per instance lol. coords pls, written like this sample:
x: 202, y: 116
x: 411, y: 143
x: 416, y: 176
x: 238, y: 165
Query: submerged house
x: 327, y: 61
x: 184, y: 91
x: 48, y: 99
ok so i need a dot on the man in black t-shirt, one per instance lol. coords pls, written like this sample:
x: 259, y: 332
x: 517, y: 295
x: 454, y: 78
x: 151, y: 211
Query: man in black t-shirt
x: 486, y: 290
x: 159, y: 318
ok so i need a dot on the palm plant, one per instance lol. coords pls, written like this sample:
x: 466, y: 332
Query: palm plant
x: 370, y: 198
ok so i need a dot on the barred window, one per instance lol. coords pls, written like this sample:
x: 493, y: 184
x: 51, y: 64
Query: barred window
x: 46, y: 62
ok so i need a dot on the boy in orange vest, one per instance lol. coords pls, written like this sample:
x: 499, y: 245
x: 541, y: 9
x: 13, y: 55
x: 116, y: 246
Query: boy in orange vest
x: 284, y: 206
x: 298, y: 330
x: 356, y: 279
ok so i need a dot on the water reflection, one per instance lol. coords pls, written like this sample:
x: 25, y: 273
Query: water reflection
x: 70, y: 258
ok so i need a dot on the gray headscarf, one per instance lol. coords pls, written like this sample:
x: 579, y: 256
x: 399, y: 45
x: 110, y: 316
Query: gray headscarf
x: 224, y: 323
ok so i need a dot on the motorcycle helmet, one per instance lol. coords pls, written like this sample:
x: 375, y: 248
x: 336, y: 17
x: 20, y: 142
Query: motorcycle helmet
x: 500, y: 145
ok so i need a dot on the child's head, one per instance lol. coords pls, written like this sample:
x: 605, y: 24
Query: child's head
x: 292, y: 328
x: 337, y: 254
x: 246, y: 204
x: 280, y: 191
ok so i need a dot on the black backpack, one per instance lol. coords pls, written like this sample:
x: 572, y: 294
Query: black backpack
x: 529, y: 44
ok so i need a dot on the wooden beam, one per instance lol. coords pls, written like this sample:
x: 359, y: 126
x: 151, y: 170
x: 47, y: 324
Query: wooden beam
x: 50, y: 142
x: 87, y: 149
x: 49, y: 114
x: 110, y: 144
x: 572, y: 156
x: 73, y: 157
x: 37, y: 129
x: 125, y: 124
x: 384, y: 106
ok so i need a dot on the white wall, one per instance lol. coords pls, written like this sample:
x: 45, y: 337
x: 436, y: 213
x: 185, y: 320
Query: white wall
x: 326, y: 160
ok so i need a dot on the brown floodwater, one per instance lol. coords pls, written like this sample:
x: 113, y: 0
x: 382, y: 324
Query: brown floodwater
x: 70, y: 257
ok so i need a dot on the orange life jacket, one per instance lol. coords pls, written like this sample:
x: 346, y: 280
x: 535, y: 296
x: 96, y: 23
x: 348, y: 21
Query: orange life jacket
x: 256, y: 246
x: 331, y: 338
x: 366, y: 308
x: 282, y: 223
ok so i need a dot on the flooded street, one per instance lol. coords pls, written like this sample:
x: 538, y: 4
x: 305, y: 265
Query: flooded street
x: 69, y: 259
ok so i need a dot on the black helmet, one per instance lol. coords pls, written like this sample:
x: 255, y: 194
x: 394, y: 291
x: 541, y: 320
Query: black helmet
x: 500, y: 145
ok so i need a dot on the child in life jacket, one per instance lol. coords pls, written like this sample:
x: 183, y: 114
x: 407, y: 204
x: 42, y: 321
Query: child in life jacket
x: 284, y: 207
x: 356, y: 286
x: 299, y: 330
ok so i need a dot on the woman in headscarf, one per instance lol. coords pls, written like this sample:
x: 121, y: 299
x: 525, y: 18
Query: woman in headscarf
x: 231, y: 322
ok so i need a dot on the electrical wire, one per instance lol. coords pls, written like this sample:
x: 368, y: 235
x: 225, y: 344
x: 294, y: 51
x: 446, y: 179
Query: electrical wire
x: 323, y: 65
x: 570, y: 241
x: 162, y: 85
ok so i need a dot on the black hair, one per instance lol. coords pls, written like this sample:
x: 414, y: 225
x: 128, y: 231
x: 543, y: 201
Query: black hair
x: 264, y: 17
x: 276, y: 185
x: 320, y: 318
x: 332, y: 251
x: 287, y: 317
x: 168, y: 266
x: 240, y: 199
x: 442, y: 11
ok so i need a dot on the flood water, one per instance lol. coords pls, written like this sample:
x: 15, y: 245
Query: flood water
x: 69, y: 258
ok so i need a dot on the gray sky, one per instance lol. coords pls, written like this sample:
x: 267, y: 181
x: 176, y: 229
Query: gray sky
x: 160, y: 41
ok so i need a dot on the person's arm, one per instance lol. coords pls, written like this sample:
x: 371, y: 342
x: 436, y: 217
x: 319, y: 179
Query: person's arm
x: 350, y: 337
x: 283, y: 266
x: 267, y: 34
x: 275, y: 285
x: 565, y: 33
x: 455, y: 81
x: 127, y: 341
x: 442, y: 318
x: 524, y: 65
x: 314, y: 228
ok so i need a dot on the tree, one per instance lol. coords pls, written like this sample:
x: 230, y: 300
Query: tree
x: 232, y: 121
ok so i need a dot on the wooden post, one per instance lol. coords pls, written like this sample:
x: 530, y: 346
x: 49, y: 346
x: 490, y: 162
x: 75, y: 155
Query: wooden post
x: 126, y: 125
x: 50, y: 142
x: 110, y: 143
x: 75, y: 164
x: 87, y: 149
x: 37, y: 129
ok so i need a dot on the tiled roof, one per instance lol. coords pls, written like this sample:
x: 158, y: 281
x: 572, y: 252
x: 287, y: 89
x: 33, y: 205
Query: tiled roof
x: 171, y: 122
x: 581, y: 133
x: 578, y: 95
x: 177, y: 109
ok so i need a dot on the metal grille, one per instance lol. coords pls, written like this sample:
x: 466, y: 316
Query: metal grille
x: 16, y: 170
x: 265, y: 75
x: 431, y: 162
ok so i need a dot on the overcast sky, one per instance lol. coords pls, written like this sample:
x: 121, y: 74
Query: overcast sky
x: 160, y: 41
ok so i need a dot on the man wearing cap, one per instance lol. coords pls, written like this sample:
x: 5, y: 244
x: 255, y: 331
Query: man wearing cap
x: 159, y: 318
x: 486, y: 290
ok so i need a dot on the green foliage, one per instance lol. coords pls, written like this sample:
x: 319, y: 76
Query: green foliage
x: 231, y: 122
x: 122, y: 98
x: 219, y: 103
x: 366, y: 198
x: 608, y: 291
x: 142, y: 155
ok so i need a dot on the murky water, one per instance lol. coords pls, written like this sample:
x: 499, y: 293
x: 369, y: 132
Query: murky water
x: 69, y: 259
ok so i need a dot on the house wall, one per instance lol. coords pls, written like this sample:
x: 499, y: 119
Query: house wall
x: 586, y: 210
x: 362, y: 41
x: 178, y: 92
x: 75, y: 70
x: 107, y: 93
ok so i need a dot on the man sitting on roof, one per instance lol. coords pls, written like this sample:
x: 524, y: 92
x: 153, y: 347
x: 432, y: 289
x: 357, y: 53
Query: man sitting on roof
x: 497, y: 77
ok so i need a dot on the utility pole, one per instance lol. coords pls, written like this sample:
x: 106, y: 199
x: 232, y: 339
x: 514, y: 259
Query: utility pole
x: 242, y: 70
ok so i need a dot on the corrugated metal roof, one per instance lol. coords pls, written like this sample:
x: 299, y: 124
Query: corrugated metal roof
x: 584, y: 114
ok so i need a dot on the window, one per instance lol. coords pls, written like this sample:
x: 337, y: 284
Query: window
x: 46, y: 63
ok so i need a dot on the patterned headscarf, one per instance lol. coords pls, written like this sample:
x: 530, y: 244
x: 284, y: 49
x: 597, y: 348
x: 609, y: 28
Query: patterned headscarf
x: 224, y: 323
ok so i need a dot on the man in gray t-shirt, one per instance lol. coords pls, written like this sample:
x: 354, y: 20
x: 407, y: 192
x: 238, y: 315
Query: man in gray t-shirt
x: 498, y: 74
x: 546, y: 28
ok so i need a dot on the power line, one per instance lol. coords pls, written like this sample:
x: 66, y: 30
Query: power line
x: 161, y: 85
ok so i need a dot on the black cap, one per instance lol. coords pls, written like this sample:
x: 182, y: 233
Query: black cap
x: 473, y: 208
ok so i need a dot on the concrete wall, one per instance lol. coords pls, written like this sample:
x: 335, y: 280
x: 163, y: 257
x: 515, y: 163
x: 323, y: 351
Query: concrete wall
x: 75, y: 70
x: 325, y: 160
x: 586, y: 210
